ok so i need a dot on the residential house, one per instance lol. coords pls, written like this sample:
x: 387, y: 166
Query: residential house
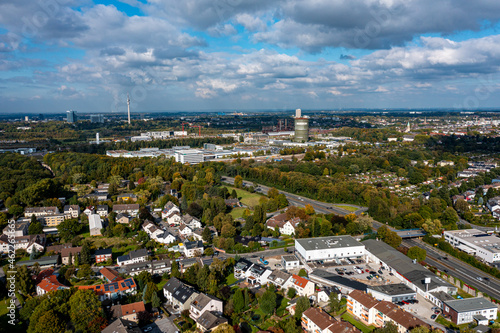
x: 246, y: 240
x: 241, y: 268
x: 113, y: 290
x: 209, y: 321
x: 89, y: 210
x: 95, y: 225
x: 123, y: 218
x: 40, y: 211
x: 203, y: 303
x: 192, y: 249
x: 103, y: 255
x: 133, y: 257
x: 28, y: 243
x: 110, y: 275
x: 68, y: 252
x: 165, y: 237
x: 362, y: 306
x: 58, y: 248
x: 54, y: 220
x: 169, y: 209
x: 19, y: 228
x: 191, y: 221
x: 122, y: 326
x: 285, y: 225
x: 130, y: 209
x: 315, y: 320
x: 126, y: 197
x: 157, y: 267
x: 73, y: 211
x: 185, y: 231
x: 174, y: 218
x: 178, y: 294
x: 325, y: 292
x: 462, y: 311
x: 258, y: 274
x: 279, y: 278
x: 303, y: 286
x: 102, y: 210
x: 130, y: 311
x: 48, y: 284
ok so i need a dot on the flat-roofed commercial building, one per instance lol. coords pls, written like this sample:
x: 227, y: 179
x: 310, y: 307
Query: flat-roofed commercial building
x: 476, y: 242
x: 329, y: 248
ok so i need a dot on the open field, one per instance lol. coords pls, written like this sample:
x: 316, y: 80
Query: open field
x: 347, y: 207
x: 248, y: 199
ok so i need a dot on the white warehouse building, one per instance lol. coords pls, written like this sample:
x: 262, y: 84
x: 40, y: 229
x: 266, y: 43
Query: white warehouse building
x: 329, y: 248
x: 476, y: 242
x: 191, y: 156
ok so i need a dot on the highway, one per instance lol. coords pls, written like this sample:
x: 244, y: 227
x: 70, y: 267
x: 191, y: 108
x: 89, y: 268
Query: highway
x: 458, y: 269
x: 300, y: 201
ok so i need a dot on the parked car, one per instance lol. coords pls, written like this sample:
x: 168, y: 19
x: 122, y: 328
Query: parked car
x: 433, y: 316
x: 391, y: 274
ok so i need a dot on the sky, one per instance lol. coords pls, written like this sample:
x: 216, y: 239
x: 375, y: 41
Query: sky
x: 176, y: 55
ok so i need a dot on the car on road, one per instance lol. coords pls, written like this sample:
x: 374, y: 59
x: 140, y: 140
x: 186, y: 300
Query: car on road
x: 148, y: 329
x: 433, y: 316
x: 445, y: 270
x: 479, y: 278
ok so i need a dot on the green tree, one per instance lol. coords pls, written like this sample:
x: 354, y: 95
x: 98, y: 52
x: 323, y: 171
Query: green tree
x: 291, y: 293
x: 175, y: 269
x: 68, y: 229
x: 155, y: 300
x: 238, y: 181
x: 333, y: 301
x: 417, y: 253
x: 35, y: 227
x: 25, y: 284
x: 224, y: 328
x: 393, y: 239
x: 49, y: 322
x: 302, y: 305
x: 150, y: 290
x: 303, y: 272
x: 389, y: 327
x: 86, y: 312
x: 273, y: 193
x: 85, y: 255
x: 238, y: 301
x: 267, y: 302
x: 207, y: 235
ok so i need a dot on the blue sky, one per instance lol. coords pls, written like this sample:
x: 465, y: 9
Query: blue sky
x: 248, y: 54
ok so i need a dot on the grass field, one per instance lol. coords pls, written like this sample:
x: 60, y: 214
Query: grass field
x: 348, y: 208
x: 231, y: 279
x: 249, y: 199
x: 237, y: 213
x: 365, y: 329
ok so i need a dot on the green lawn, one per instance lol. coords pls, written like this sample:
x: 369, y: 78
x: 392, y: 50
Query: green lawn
x: 161, y: 284
x: 365, y: 329
x: 231, y: 279
x: 237, y: 213
x: 464, y: 294
x: 348, y: 208
x: 282, y: 307
x: 249, y: 199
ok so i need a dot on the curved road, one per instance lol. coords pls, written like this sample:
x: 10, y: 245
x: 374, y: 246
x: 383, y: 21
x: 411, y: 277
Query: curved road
x: 300, y: 201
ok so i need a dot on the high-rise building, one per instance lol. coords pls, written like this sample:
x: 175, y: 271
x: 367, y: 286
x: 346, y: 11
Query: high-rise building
x: 301, y: 127
x: 71, y: 116
x: 96, y: 118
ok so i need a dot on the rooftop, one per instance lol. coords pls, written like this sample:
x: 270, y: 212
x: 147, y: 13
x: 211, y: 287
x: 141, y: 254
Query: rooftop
x: 393, y: 289
x: 332, y: 242
x: 290, y: 258
x: 470, y: 304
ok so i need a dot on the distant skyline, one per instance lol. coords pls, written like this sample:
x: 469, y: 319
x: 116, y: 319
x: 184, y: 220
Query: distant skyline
x: 176, y: 55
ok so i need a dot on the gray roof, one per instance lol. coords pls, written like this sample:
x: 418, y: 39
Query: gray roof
x: 414, y: 272
x: 290, y: 258
x: 172, y: 284
x: 202, y: 300
x: 138, y: 253
x: 393, y: 289
x: 193, y: 245
x: 279, y: 277
x: 209, y: 320
x: 42, y: 261
x: 442, y: 296
x: 122, y: 326
x: 470, y: 304
x: 332, y: 242
x: 339, y: 280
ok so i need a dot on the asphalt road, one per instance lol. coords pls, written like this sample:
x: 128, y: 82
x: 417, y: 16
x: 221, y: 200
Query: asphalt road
x: 300, y: 201
x: 458, y: 269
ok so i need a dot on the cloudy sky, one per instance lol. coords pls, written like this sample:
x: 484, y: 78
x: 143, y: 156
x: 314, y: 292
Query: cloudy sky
x: 87, y: 55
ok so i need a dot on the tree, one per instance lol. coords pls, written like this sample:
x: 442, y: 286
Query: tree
x: 268, y: 301
x: 25, y: 284
x: 273, y: 193
x: 85, y: 256
x: 303, y: 272
x: 207, y: 235
x: 389, y: 327
x: 393, y: 239
x: 150, y: 290
x: 155, y: 300
x: 302, y: 305
x: 333, y: 301
x: 175, y: 269
x: 238, y: 181
x: 234, y: 194
x: 417, y: 253
x: 35, y: 227
x: 238, y: 301
x: 228, y: 231
x: 50, y: 322
x: 291, y: 293
x: 68, y: 229
x: 85, y: 311
x: 309, y: 209
x: 143, y: 278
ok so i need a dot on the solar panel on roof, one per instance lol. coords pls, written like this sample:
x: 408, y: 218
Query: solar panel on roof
x: 106, y: 287
x: 123, y: 285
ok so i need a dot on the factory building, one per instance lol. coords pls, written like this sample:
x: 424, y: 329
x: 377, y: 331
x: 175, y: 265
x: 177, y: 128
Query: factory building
x: 329, y: 248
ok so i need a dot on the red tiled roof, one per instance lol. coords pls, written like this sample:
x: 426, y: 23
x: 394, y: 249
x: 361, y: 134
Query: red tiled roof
x: 133, y: 308
x: 300, y: 281
x: 110, y: 274
x: 43, y: 274
x: 319, y: 317
x: 50, y: 283
x: 365, y: 299
x: 111, y: 288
